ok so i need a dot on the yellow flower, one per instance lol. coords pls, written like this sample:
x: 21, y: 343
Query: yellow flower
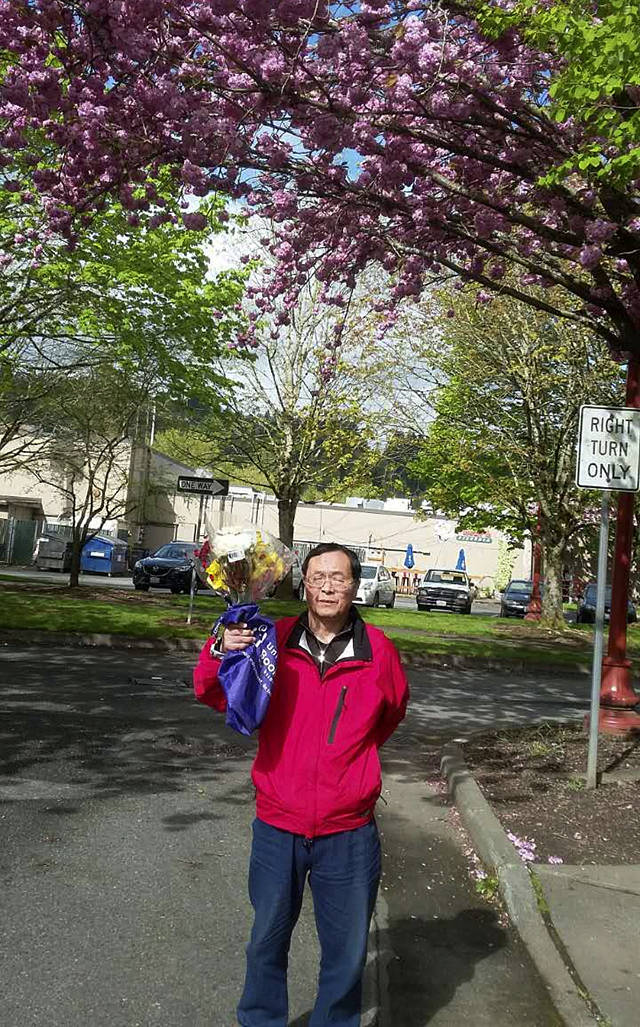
x: 214, y: 575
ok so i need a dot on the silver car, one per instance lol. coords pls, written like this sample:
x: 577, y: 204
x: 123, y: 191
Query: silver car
x: 377, y: 587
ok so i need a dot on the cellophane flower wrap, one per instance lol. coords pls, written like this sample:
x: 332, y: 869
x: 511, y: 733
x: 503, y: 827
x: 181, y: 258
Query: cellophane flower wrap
x: 245, y: 564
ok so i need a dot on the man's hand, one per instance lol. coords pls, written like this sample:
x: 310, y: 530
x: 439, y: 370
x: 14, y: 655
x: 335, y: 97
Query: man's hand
x: 237, y: 637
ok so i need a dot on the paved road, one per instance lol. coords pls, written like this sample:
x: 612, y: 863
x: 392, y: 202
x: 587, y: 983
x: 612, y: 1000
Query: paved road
x: 485, y: 607
x: 124, y: 817
x: 56, y: 578
x: 456, y: 702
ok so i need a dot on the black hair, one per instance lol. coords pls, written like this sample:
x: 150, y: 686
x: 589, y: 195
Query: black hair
x: 334, y: 547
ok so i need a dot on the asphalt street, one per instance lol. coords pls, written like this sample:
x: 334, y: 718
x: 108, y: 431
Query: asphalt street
x: 125, y: 812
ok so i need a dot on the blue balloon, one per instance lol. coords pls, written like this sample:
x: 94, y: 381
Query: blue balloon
x: 408, y: 559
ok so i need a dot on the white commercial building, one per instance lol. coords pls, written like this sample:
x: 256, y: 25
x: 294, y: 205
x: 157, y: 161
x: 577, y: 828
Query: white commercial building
x: 156, y: 512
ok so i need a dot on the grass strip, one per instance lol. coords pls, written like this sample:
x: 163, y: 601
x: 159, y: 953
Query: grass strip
x: 160, y: 615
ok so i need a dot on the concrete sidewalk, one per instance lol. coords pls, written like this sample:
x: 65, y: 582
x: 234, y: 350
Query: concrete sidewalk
x: 595, y: 911
x: 579, y: 923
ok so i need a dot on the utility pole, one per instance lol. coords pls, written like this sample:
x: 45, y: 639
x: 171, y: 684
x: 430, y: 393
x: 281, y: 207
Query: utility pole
x: 534, y: 609
x: 617, y: 697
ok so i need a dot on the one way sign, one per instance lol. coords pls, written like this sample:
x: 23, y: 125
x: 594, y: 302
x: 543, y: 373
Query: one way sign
x: 609, y: 449
x: 203, y: 486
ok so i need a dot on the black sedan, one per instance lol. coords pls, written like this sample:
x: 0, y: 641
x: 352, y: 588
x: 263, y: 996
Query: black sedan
x: 169, y: 568
x: 516, y: 598
x: 586, y: 613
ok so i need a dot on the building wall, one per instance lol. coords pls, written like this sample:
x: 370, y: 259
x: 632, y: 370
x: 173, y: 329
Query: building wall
x: 169, y: 514
x: 158, y: 513
x: 384, y: 533
x: 21, y: 483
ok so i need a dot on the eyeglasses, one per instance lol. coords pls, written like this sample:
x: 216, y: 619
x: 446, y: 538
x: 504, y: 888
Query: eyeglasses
x: 337, y: 581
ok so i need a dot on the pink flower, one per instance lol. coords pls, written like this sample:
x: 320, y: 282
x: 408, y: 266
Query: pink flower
x: 195, y: 221
x: 362, y: 143
x: 600, y: 231
x: 590, y: 257
x: 525, y: 846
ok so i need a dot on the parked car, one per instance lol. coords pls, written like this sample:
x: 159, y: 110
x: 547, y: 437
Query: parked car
x: 170, y: 567
x: 586, y: 613
x: 377, y: 587
x: 516, y: 598
x: 442, y: 589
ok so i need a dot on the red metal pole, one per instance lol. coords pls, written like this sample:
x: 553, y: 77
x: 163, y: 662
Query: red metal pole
x: 617, y: 697
x: 534, y: 609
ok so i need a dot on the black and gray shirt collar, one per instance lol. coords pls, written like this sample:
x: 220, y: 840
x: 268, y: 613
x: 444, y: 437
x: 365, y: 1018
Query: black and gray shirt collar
x: 352, y: 643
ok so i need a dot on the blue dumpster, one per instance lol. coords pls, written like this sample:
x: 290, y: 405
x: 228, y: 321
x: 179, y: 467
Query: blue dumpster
x: 103, y: 555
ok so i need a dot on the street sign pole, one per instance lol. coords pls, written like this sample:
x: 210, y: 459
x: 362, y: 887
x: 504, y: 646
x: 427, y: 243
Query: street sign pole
x: 200, y: 514
x: 202, y: 487
x: 204, y: 496
x: 608, y: 459
x: 192, y: 590
x: 598, y: 643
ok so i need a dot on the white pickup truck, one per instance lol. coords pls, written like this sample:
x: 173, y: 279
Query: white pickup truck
x: 445, y: 590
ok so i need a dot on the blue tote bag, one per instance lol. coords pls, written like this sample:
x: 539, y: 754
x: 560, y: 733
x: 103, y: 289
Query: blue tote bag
x: 246, y: 676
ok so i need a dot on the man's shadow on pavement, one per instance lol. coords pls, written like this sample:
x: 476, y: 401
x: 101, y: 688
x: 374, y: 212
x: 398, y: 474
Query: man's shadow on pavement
x: 421, y: 963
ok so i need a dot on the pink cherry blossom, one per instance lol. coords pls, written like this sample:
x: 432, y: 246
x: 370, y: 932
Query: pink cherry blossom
x: 195, y: 221
x: 371, y: 133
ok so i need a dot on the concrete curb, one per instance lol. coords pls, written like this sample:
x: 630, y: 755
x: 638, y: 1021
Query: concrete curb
x: 452, y: 660
x: 18, y: 636
x: 375, y: 983
x: 69, y: 639
x: 516, y: 888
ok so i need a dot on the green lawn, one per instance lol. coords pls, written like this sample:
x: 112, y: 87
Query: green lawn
x: 54, y: 608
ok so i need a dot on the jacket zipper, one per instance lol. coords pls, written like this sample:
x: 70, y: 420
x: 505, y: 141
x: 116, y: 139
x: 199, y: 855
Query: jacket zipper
x: 336, y: 715
x: 323, y: 693
x: 352, y: 663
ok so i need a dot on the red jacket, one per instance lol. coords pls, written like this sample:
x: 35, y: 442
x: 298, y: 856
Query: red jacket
x: 317, y: 769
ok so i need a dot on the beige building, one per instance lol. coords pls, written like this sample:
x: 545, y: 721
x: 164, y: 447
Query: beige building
x: 155, y: 512
x: 381, y: 533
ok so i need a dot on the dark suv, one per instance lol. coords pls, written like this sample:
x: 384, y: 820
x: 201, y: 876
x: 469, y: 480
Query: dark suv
x: 169, y: 568
x: 516, y: 598
x: 586, y: 613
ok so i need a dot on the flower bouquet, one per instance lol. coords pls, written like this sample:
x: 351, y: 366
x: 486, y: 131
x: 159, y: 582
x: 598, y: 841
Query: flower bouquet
x: 245, y: 565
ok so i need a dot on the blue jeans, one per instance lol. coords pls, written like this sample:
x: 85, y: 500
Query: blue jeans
x: 344, y: 871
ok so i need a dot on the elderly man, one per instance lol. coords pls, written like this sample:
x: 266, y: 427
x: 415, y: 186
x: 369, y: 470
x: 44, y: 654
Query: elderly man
x: 339, y: 692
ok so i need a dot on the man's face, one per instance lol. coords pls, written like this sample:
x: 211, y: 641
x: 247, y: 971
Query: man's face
x: 332, y: 598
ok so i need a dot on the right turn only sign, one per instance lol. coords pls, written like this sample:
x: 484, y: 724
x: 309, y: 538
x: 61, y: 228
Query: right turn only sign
x: 609, y: 449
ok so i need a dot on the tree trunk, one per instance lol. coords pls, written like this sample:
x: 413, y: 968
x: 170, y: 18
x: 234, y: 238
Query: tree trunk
x: 76, y: 556
x: 287, y: 506
x: 552, y: 611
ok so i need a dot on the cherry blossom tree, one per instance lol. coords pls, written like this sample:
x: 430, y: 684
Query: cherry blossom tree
x: 389, y: 132
x: 598, y: 80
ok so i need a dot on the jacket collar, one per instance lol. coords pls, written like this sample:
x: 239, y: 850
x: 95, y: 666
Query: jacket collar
x: 355, y: 624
